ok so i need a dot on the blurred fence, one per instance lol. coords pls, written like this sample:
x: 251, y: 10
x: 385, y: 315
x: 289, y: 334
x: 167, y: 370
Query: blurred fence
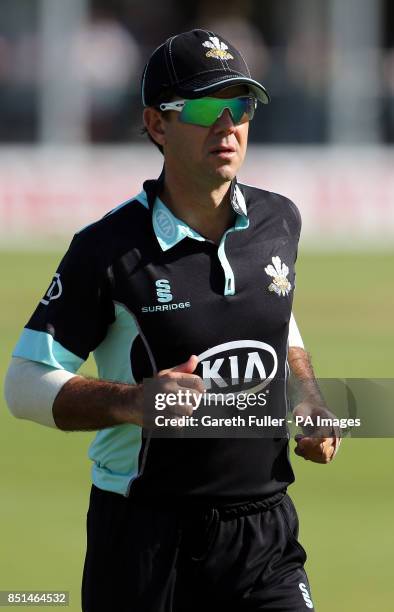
x: 346, y: 195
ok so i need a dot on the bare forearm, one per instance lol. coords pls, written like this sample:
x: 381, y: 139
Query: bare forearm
x: 84, y: 404
x: 319, y: 444
x: 303, y: 374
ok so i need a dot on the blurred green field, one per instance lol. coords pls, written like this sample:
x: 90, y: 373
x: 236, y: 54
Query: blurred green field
x: 344, y: 307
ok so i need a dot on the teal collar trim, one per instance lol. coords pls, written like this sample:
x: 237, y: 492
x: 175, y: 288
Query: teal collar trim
x: 170, y: 230
x: 241, y: 222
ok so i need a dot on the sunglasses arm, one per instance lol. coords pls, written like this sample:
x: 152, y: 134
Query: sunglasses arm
x: 176, y: 106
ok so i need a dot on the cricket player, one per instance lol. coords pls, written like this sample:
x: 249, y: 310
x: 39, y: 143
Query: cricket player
x: 188, y: 284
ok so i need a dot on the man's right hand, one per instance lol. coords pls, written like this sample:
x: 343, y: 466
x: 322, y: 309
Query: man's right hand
x: 84, y: 404
x: 167, y: 382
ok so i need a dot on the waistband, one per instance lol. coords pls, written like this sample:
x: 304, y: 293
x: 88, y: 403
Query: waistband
x: 195, y: 508
x: 230, y: 511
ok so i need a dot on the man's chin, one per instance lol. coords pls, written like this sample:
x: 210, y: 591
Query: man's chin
x: 225, y: 172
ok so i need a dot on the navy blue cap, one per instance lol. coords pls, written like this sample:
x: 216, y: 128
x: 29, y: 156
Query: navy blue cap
x: 196, y: 64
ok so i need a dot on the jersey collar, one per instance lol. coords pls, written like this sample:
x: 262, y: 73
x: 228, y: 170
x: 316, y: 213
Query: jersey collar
x: 170, y: 230
x: 237, y: 199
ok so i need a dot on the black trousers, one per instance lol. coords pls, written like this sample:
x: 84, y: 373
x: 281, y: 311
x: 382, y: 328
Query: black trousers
x: 159, y: 558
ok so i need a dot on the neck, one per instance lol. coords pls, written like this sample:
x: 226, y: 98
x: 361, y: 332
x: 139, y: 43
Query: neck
x: 205, y: 208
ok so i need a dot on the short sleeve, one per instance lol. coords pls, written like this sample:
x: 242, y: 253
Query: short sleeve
x: 73, y: 315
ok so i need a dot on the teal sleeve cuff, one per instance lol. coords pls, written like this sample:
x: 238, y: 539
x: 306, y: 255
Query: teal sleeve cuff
x: 41, y: 347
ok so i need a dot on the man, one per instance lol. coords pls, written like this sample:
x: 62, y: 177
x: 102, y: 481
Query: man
x: 186, y: 284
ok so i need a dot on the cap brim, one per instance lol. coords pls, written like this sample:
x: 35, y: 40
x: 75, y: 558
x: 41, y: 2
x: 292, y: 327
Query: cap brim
x: 195, y: 89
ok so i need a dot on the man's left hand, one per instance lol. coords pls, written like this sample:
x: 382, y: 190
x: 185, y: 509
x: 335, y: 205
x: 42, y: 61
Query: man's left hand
x: 318, y: 444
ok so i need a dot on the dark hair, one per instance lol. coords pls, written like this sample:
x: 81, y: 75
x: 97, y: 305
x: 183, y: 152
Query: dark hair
x: 166, y: 96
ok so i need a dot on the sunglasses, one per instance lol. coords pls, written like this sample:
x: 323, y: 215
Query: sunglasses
x: 205, y: 111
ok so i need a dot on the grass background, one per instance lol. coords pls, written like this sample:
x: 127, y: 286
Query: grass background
x: 344, y: 306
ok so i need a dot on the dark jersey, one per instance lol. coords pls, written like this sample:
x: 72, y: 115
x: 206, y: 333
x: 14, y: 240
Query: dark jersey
x: 143, y: 291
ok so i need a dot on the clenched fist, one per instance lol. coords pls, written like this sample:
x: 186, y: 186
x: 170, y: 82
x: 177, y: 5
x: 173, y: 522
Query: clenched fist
x: 318, y: 443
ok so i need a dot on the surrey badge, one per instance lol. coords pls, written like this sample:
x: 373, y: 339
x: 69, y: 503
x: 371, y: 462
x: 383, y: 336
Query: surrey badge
x: 278, y: 271
x: 217, y: 49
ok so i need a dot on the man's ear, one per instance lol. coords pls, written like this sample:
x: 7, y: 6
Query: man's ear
x: 155, y: 125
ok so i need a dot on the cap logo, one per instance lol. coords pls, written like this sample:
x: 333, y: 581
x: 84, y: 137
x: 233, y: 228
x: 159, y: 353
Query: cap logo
x: 217, y: 49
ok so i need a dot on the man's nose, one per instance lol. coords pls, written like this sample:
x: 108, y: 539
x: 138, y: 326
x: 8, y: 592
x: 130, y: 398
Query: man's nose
x: 224, y: 123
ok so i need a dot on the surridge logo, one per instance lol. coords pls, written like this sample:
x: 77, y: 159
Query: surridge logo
x: 240, y: 362
x: 306, y: 596
x: 217, y: 48
x: 164, y: 296
x: 163, y: 290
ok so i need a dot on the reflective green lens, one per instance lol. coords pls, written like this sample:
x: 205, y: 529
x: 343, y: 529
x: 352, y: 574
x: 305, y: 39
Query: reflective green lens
x: 205, y: 111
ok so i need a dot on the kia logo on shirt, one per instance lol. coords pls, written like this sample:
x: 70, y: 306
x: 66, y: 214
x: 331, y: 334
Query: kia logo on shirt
x: 238, y: 363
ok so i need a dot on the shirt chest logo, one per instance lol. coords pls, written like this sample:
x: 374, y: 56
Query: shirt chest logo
x: 163, y: 290
x: 278, y: 272
x: 249, y: 363
x: 164, y: 297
